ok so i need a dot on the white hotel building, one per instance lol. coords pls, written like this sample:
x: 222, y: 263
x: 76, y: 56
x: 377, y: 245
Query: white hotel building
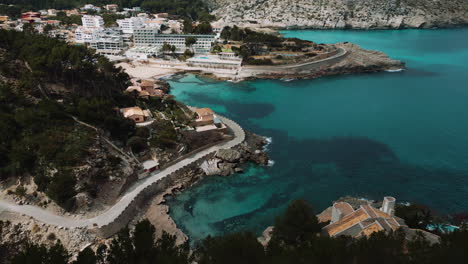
x: 84, y: 35
x: 92, y: 21
x: 149, y: 42
x: 128, y: 25
x: 111, y: 45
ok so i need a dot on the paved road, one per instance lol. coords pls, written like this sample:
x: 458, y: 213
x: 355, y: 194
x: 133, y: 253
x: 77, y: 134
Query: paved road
x: 341, y: 52
x: 112, y: 213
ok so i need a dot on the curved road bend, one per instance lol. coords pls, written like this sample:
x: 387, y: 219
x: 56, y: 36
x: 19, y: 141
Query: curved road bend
x: 112, y: 213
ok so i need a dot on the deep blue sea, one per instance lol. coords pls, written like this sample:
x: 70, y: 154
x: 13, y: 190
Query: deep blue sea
x: 403, y: 134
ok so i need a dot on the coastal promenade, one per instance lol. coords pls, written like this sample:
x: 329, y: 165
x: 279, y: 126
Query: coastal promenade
x: 123, y: 211
x: 309, y: 66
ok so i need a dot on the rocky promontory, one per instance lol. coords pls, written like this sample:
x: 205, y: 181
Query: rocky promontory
x: 350, y: 59
x: 342, y: 14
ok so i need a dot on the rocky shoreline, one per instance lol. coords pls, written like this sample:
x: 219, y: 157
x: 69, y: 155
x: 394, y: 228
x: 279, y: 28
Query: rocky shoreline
x: 356, y: 60
x: 223, y: 163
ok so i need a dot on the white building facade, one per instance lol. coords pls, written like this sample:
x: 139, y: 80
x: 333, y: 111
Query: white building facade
x: 149, y: 38
x: 128, y: 25
x: 108, y: 45
x: 84, y: 35
x: 92, y: 21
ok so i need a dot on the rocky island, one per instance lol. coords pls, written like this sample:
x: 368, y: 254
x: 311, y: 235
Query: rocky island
x: 342, y: 14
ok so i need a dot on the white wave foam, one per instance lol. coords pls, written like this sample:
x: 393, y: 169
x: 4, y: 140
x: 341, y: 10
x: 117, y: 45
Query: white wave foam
x: 395, y: 70
x: 269, y: 140
x: 366, y: 199
x: 271, y: 163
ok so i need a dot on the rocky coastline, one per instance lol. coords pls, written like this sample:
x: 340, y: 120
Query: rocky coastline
x: 222, y: 163
x: 356, y: 60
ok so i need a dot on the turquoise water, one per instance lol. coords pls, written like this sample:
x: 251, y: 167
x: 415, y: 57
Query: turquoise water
x: 403, y: 134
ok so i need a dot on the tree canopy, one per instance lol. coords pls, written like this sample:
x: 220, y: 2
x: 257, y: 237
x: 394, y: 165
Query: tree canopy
x: 141, y: 246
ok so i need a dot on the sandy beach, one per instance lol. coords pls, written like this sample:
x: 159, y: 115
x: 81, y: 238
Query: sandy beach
x: 146, y: 71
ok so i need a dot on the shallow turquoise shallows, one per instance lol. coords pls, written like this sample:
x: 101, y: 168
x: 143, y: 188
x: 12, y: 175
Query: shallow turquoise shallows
x: 403, y: 134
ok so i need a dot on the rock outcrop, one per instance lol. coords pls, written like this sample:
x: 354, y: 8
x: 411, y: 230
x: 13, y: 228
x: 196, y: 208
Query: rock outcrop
x: 227, y: 161
x: 341, y: 14
x: 229, y: 155
x: 354, y: 60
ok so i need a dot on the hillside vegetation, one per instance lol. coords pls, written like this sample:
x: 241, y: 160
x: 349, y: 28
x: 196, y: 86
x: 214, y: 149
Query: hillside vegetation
x: 43, y: 83
x: 359, y: 14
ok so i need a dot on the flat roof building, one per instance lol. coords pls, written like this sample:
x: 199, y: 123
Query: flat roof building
x: 92, y: 21
x: 150, y: 37
x: 128, y: 25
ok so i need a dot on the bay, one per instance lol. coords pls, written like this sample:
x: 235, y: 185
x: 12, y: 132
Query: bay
x: 403, y: 134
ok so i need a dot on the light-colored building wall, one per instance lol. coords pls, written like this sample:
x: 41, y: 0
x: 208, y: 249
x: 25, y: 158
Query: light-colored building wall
x: 83, y: 35
x: 148, y: 37
x: 128, y: 25
x: 92, y: 21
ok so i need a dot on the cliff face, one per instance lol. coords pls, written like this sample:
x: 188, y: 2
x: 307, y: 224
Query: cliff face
x: 339, y: 14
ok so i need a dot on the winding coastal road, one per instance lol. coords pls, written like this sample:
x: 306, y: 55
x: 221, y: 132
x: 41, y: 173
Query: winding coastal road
x: 125, y: 201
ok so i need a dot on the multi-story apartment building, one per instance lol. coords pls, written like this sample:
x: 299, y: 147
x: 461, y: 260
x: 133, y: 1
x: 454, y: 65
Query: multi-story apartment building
x: 128, y: 25
x: 149, y: 37
x: 92, y: 21
x: 111, y: 45
x: 84, y: 35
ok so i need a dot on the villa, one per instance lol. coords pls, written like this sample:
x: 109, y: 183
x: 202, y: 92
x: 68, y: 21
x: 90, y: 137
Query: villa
x: 205, y: 116
x: 146, y: 88
x: 136, y: 114
x: 366, y: 220
x: 363, y: 221
x: 206, y: 120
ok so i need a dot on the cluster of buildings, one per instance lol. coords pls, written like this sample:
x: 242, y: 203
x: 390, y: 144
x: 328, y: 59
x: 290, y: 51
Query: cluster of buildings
x: 146, y: 88
x: 38, y: 19
x: 138, y: 35
x: 142, y: 35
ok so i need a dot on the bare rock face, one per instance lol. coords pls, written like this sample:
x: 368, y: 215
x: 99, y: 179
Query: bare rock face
x: 266, y: 236
x: 229, y: 155
x: 228, y: 161
x: 210, y: 167
x: 361, y: 60
x: 340, y: 14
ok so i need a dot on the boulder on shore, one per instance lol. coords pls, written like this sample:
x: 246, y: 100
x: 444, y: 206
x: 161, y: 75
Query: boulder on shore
x: 229, y: 155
